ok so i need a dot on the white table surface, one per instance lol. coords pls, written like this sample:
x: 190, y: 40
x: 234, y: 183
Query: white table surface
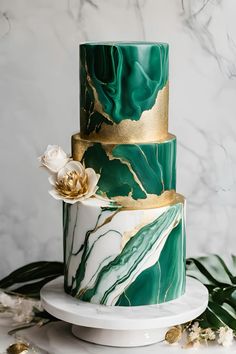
x: 56, y: 338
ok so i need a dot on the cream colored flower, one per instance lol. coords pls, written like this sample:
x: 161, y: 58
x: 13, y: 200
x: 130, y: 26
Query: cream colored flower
x: 226, y: 336
x: 7, y: 300
x: 195, y: 332
x: 209, y: 334
x: 20, y: 309
x: 74, y: 183
x: 54, y: 158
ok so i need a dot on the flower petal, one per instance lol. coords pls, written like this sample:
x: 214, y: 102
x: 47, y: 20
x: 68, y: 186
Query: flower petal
x: 71, y: 166
x: 71, y: 201
x: 93, y: 178
x: 55, y: 194
x: 52, y: 180
x: 54, y: 158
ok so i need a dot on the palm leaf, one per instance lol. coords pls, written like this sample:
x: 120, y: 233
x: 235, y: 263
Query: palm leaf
x: 32, y: 272
x: 219, y: 278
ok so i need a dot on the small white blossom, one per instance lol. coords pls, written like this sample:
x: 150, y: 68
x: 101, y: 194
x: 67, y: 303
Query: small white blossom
x: 195, y: 331
x: 21, y: 309
x: 225, y: 336
x: 209, y: 334
x: 24, y: 313
x: 7, y: 300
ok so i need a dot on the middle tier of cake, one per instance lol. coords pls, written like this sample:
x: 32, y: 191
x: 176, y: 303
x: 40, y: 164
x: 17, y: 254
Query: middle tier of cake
x: 134, y: 175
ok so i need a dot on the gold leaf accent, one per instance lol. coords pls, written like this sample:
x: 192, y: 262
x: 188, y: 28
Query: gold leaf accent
x: 174, y: 334
x: 18, y: 348
x: 151, y: 126
x: 79, y: 145
x: 127, y: 235
x: 167, y: 198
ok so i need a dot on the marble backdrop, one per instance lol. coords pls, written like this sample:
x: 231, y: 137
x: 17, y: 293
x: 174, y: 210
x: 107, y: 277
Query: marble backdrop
x: 39, y: 105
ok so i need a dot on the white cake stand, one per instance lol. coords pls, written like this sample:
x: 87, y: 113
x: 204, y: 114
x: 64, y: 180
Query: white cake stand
x: 123, y: 326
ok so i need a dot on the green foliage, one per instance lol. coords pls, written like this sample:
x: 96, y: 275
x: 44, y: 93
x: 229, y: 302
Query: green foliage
x: 29, y: 279
x: 219, y: 276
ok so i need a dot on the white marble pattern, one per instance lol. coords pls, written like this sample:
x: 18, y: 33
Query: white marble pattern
x: 39, y: 105
x: 107, y: 250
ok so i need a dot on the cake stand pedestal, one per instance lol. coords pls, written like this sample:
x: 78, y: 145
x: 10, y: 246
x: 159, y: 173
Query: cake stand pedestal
x: 123, y: 326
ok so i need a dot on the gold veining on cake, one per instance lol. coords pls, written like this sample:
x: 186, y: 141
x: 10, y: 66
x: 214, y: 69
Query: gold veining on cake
x: 80, y: 145
x: 152, y: 125
x: 107, y: 220
x: 127, y: 235
x: 152, y: 200
x: 111, y: 157
x: 97, y: 104
x: 168, y: 197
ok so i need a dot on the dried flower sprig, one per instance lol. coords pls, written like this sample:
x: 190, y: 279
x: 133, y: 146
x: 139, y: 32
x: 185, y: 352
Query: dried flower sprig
x: 191, y: 335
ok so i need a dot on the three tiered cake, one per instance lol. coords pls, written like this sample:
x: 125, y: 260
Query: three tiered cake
x: 126, y: 248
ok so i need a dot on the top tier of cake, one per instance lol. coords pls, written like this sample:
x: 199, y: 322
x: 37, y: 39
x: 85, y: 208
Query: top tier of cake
x: 124, y: 92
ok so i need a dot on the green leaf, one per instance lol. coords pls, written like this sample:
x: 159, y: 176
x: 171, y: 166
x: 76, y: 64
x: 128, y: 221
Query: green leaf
x: 206, y: 272
x: 222, y: 315
x: 219, y: 279
x: 32, y: 271
x: 230, y: 275
x: 233, y: 260
x: 33, y: 289
x: 221, y: 295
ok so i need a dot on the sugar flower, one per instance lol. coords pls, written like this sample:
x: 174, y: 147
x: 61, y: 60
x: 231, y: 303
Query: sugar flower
x: 54, y: 158
x: 74, y: 183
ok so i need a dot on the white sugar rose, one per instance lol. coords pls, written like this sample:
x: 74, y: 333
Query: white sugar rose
x: 74, y: 183
x: 54, y: 158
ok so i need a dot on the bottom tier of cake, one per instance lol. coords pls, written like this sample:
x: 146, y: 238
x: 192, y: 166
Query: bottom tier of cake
x: 114, y: 256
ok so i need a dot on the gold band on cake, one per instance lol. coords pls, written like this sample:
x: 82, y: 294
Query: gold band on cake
x: 152, y: 125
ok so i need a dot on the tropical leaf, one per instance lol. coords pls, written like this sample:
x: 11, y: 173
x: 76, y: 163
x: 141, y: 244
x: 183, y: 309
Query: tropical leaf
x: 27, y: 281
x: 219, y: 276
x: 32, y: 272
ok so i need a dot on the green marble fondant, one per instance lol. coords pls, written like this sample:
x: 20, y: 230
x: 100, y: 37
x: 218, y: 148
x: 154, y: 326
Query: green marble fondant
x: 139, y: 249
x: 163, y: 281
x: 126, y: 76
x: 134, y: 169
x: 115, y: 177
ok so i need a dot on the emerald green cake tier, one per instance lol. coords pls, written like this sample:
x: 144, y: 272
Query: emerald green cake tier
x: 124, y: 91
x: 141, y: 174
x: 119, y: 257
